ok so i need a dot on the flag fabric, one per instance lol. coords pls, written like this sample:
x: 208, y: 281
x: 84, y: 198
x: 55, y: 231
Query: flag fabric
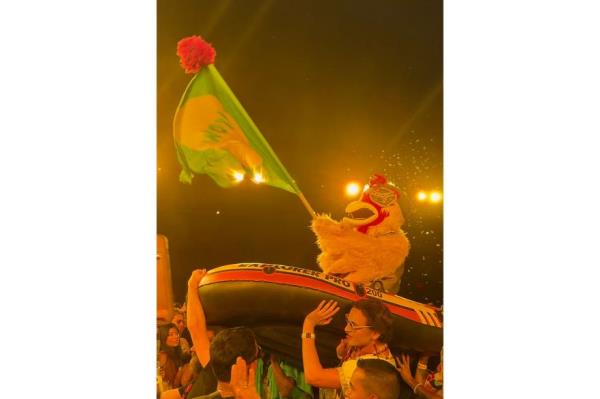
x: 215, y: 136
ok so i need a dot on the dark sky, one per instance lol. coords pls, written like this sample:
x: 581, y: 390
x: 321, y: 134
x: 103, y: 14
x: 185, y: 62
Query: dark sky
x: 340, y: 89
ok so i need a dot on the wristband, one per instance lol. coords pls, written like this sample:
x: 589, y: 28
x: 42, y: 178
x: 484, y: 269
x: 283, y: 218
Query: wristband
x: 416, y: 386
x: 308, y: 335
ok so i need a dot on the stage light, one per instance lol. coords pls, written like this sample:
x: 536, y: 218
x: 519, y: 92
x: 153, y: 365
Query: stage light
x: 422, y: 196
x: 258, y: 178
x: 238, y: 176
x: 352, y: 189
x: 435, y: 196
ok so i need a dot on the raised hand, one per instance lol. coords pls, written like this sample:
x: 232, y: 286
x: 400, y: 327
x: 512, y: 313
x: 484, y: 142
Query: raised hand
x: 404, y: 369
x: 243, y: 381
x: 323, y: 314
x: 196, y: 277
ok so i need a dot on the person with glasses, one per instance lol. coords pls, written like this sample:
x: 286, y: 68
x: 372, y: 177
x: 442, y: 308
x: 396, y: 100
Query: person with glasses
x: 368, y: 329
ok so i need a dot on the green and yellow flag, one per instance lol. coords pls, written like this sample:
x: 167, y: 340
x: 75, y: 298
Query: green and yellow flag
x: 215, y: 136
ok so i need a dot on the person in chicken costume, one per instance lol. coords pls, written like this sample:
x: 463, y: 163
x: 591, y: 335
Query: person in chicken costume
x: 368, y: 246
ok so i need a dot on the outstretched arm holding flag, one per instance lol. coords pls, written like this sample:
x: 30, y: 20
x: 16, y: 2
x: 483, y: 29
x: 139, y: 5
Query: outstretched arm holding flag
x: 213, y: 133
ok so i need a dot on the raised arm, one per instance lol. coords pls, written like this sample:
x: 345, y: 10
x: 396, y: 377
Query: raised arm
x: 196, y: 320
x: 285, y: 384
x: 243, y: 380
x: 421, y: 372
x: 417, y: 387
x: 314, y: 373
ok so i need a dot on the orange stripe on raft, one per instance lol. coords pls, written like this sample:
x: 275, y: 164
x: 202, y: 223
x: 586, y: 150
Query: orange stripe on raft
x: 302, y: 282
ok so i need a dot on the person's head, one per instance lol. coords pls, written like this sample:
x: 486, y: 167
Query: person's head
x: 374, y: 379
x: 368, y: 321
x: 212, y: 331
x: 169, y: 336
x: 162, y: 317
x: 227, y: 345
x: 179, y: 320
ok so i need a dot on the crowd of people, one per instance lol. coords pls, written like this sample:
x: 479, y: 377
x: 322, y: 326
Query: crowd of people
x: 197, y: 362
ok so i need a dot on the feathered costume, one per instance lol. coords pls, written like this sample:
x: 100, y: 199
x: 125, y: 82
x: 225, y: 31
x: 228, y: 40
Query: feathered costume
x: 369, y: 247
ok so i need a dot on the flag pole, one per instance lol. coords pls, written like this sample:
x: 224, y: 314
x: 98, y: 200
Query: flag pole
x: 195, y: 53
x: 306, y: 205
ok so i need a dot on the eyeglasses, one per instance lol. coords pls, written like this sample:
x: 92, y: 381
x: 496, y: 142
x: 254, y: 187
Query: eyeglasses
x: 173, y: 334
x: 353, y: 325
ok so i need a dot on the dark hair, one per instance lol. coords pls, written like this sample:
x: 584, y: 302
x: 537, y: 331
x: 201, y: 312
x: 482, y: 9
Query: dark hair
x: 173, y: 352
x: 378, y: 317
x: 381, y: 378
x: 163, y: 332
x: 215, y: 329
x: 226, y: 346
x: 175, y: 358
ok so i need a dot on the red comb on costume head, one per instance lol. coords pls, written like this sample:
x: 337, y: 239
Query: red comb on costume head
x: 377, y: 179
x: 380, y: 191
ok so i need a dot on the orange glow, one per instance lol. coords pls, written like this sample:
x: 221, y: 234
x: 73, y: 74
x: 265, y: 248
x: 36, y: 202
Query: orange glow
x: 258, y: 178
x: 352, y: 189
x: 435, y: 196
x: 238, y: 176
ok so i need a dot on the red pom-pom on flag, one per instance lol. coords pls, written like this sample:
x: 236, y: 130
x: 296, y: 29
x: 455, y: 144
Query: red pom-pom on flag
x: 194, y: 53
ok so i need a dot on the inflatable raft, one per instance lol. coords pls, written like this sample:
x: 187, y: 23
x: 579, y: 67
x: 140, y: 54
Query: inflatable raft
x: 274, y: 299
